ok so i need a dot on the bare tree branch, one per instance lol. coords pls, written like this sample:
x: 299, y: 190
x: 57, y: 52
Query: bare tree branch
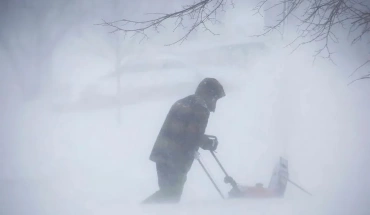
x: 201, y: 13
x: 367, y: 76
x: 319, y: 20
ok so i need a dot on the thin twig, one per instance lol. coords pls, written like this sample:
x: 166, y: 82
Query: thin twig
x: 201, y: 12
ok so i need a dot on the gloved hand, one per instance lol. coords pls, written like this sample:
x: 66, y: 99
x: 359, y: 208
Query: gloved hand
x: 209, y: 143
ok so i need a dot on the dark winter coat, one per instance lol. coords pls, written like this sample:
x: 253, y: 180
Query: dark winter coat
x: 182, y: 133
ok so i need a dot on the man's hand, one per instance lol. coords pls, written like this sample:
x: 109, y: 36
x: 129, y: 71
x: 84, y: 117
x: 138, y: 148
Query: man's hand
x: 209, y: 143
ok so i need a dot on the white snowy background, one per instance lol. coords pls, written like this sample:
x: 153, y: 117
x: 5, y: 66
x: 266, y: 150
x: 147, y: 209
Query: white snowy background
x: 69, y: 154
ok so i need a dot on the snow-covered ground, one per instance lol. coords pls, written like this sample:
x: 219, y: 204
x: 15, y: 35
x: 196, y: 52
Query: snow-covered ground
x: 84, y: 162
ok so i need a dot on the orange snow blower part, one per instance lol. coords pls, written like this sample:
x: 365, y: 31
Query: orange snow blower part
x: 276, y: 188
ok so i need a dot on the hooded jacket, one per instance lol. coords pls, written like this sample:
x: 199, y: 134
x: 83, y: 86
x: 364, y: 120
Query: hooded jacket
x: 181, y: 134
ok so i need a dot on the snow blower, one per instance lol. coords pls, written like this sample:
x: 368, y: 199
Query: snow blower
x: 276, y: 188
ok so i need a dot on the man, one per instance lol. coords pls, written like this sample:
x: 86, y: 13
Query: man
x: 182, y: 134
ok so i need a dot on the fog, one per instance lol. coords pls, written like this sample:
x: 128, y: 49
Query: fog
x: 67, y: 148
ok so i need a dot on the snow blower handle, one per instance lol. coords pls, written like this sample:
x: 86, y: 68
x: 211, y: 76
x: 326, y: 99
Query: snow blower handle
x: 209, y: 176
x: 228, y: 179
x: 215, y: 143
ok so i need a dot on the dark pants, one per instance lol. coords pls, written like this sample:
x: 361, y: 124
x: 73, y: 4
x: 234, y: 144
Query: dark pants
x: 171, y: 182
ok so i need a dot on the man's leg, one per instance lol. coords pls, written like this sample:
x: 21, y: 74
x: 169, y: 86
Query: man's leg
x: 171, y: 183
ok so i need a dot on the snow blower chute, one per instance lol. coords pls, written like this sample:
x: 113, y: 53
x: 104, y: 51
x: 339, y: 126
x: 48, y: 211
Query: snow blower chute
x: 276, y: 188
